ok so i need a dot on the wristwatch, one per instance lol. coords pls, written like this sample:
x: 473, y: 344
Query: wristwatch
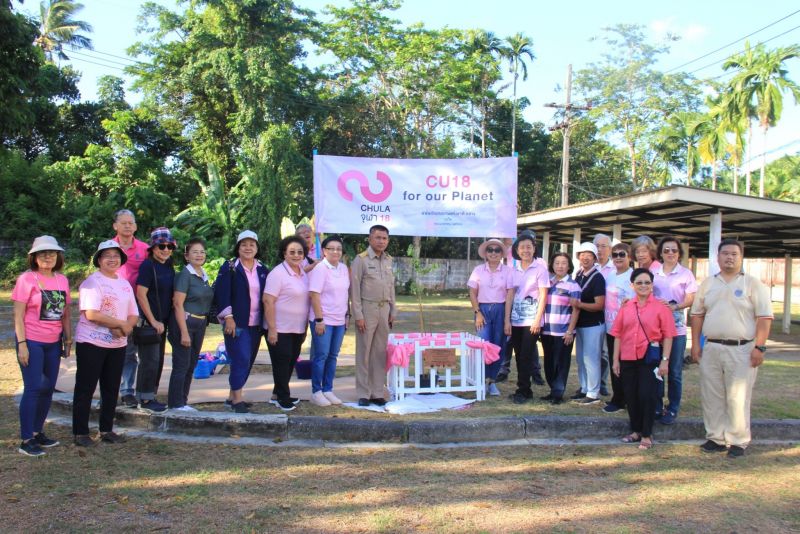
x: 665, y: 358
x: 762, y: 348
x: 318, y: 320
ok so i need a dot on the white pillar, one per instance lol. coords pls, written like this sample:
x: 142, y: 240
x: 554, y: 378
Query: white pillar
x: 714, y: 237
x: 576, y: 242
x: 616, y: 234
x: 546, y: 246
x: 685, y: 249
x: 787, y: 294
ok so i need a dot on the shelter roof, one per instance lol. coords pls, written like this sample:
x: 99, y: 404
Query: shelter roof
x: 769, y: 228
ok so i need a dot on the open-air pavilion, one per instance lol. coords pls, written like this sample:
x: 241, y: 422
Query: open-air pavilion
x: 699, y: 217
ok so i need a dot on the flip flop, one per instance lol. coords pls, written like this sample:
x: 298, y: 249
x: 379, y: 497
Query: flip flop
x: 631, y: 438
x: 646, y: 445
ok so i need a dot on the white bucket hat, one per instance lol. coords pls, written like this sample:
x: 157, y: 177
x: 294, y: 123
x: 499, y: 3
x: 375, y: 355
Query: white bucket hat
x: 45, y: 242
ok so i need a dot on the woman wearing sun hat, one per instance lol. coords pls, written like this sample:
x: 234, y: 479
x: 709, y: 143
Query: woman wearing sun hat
x: 489, y: 286
x: 41, y: 322
x: 237, y: 293
x: 108, y: 315
x: 154, y: 287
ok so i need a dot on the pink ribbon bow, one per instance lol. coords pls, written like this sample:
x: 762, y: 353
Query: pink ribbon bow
x: 491, y: 352
x: 399, y: 355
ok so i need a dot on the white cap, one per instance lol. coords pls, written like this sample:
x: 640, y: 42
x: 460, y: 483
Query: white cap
x: 105, y: 245
x: 588, y: 246
x: 247, y: 234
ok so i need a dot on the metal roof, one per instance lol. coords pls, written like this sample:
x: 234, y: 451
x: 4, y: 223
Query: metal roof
x: 769, y: 228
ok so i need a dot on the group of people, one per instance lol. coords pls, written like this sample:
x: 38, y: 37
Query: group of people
x: 628, y: 325
x: 629, y: 329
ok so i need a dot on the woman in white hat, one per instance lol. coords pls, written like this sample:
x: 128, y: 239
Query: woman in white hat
x: 490, y: 285
x: 108, y: 315
x: 41, y: 324
x: 237, y: 293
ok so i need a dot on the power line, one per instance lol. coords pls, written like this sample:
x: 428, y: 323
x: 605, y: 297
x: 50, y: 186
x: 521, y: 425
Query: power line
x: 733, y: 42
x: 98, y: 64
x: 111, y: 61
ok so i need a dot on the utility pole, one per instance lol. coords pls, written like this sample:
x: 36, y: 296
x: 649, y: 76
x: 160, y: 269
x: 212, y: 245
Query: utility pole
x: 565, y: 126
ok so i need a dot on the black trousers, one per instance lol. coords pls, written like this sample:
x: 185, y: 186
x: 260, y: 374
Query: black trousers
x: 151, y: 363
x: 617, y: 391
x: 524, y: 344
x: 283, y: 355
x: 557, y: 359
x: 641, y: 390
x: 96, y: 364
x: 184, y: 359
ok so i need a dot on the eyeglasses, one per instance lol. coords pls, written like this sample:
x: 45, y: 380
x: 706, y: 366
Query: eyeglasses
x: 643, y: 283
x: 164, y: 246
x: 294, y: 252
x: 494, y: 250
x: 666, y: 250
x: 622, y: 254
x: 332, y: 249
x: 47, y: 253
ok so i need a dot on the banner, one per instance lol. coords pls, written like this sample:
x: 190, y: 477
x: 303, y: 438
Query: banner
x: 425, y: 197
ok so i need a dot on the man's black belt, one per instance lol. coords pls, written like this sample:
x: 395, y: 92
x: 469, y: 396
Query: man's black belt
x: 730, y: 342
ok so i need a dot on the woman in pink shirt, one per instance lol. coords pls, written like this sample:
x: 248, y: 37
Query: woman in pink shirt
x: 328, y: 286
x: 644, y: 251
x: 41, y: 323
x: 489, y: 287
x: 286, y: 304
x: 108, y: 314
x: 641, y: 321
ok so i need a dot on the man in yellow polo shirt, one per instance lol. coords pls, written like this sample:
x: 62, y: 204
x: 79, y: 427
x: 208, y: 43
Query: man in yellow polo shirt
x: 733, y: 310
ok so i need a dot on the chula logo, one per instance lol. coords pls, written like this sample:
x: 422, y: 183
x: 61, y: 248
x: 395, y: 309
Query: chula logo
x: 363, y: 183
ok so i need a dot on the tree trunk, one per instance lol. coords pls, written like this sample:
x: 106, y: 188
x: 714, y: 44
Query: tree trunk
x: 747, y: 171
x: 632, y: 155
x: 763, y: 164
x: 514, y: 111
x: 714, y: 175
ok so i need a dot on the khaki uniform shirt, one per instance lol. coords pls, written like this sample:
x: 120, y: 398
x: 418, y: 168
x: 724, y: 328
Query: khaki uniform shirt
x: 731, y: 309
x: 372, y: 279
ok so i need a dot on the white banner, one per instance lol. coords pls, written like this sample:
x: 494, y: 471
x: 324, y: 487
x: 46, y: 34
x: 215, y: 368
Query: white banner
x: 425, y: 197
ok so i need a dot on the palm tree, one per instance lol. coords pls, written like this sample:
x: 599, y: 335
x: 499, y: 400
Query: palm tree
x: 763, y: 78
x: 518, y: 47
x: 735, y: 116
x: 57, y: 28
x: 711, y: 130
x: 679, y: 134
x: 482, y: 47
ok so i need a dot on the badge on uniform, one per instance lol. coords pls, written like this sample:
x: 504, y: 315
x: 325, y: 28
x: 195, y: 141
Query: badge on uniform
x: 738, y: 293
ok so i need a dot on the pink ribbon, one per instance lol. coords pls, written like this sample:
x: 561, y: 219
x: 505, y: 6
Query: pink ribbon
x: 491, y: 352
x: 399, y: 355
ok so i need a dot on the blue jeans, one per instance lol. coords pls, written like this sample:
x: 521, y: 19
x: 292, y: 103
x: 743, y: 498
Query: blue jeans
x: 39, y: 378
x: 588, y: 350
x: 324, y: 351
x: 675, y: 377
x: 242, y: 351
x: 129, y: 369
x: 492, y: 331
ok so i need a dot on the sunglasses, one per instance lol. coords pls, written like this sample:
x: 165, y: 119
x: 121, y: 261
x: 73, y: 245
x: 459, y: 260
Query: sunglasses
x: 294, y: 252
x: 164, y: 246
x: 494, y: 250
x: 667, y: 250
x: 622, y: 254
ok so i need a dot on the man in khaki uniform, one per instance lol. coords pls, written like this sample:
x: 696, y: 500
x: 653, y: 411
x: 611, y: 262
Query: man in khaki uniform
x: 734, y: 312
x: 373, y: 304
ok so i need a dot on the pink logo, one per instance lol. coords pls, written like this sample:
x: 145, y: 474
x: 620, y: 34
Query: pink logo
x: 363, y: 183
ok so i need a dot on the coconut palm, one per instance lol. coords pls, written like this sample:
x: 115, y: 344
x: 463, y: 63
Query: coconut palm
x: 762, y: 78
x: 518, y: 46
x: 482, y: 48
x: 711, y: 131
x: 58, y: 28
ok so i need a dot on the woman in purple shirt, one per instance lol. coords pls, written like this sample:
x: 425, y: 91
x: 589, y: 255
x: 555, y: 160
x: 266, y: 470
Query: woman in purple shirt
x: 489, y: 288
x: 286, y: 305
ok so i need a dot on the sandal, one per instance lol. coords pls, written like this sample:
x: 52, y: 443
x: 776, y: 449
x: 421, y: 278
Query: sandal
x: 632, y: 438
x: 646, y: 445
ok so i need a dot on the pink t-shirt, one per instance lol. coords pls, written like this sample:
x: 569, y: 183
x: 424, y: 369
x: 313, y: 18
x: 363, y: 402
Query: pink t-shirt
x: 618, y: 288
x: 332, y: 284
x: 492, y: 286
x: 42, y: 323
x: 292, y: 302
x: 111, y: 296
x: 675, y: 286
x: 526, y: 298
x: 254, y: 287
x: 136, y: 254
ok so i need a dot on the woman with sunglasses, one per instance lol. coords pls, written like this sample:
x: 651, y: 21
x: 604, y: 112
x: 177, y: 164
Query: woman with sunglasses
x: 191, y: 302
x: 489, y: 287
x: 675, y: 286
x: 41, y: 324
x: 154, y: 288
x: 286, y: 304
x: 328, y: 286
x: 618, y: 292
x: 641, y: 321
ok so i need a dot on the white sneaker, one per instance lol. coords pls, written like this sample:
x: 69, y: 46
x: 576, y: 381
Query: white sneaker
x: 185, y: 408
x: 492, y: 390
x: 331, y: 397
x: 319, y: 399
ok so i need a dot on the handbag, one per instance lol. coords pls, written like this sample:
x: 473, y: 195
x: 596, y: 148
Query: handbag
x: 652, y: 355
x: 144, y: 333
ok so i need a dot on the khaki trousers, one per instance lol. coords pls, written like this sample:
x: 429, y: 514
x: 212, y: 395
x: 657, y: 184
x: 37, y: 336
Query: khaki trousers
x: 726, y: 387
x: 371, y: 351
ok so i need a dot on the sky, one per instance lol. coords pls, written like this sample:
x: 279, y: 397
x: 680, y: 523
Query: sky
x: 561, y: 34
